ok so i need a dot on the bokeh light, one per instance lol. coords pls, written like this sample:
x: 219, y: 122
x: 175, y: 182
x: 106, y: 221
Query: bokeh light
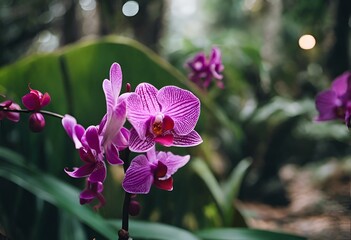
x: 130, y: 8
x: 307, y: 42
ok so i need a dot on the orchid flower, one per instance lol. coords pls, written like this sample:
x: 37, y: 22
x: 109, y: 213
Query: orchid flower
x: 35, y: 100
x: 335, y: 103
x: 203, y: 70
x: 89, y: 145
x: 167, y: 116
x: 12, y: 116
x: 93, y: 190
x: 156, y: 168
x: 114, y: 136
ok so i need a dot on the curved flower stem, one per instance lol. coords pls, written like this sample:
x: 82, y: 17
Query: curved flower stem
x: 48, y: 113
x: 123, y: 233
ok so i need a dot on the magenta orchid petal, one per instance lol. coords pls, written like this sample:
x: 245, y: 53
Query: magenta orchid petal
x: 116, y: 79
x: 87, y: 195
x: 182, y: 106
x: 165, y: 140
x: 31, y: 101
x: 112, y: 155
x: 335, y: 102
x: 110, y: 100
x: 326, y: 102
x: 190, y: 140
x: 341, y: 84
x: 92, y: 138
x: 102, y: 124
x: 140, y: 145
x: 83, y: 171
x: 137, y: 115
x: 173, y: 162
x: 74, y: 130
x: 45, y: 100
x: 68, y: 123
x: 147, y: 93
x: 114, y: 123
x: 99, y: 173
x: 92, y: 191
x: 138, y: 178
x: 122, y: 139
x: 77, y: 135
x: 12, y: 116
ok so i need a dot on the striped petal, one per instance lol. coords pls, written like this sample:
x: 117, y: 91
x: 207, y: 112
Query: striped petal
x: 182, y: 106
x: 138, y: 178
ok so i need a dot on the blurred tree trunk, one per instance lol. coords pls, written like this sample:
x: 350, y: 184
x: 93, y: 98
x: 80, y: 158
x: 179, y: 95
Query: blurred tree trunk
x: 110, y: 16
x: 146, y: 27
x: 70, y: 25
x: 338, y: 58
x: 148, y: 23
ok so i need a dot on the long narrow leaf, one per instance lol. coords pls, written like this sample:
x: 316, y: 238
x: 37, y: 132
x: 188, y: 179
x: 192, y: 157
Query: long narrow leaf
x: 155, y: 231
x: 52, y: 190
x: 200, y: 167
x: 231, y: 189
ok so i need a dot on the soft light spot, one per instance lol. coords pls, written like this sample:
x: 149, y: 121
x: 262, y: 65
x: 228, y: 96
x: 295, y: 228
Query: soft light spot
x: 307, y: 42
x: 130, y: 8
x: 87, y: 5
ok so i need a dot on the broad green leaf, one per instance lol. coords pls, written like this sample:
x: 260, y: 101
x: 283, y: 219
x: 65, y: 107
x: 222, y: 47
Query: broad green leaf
x: 244, y: 234
x: 52, y: 190
x: 155, y: 231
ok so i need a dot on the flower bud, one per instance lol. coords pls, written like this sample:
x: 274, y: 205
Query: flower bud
x: 134, y: 208
x: 36, y: 122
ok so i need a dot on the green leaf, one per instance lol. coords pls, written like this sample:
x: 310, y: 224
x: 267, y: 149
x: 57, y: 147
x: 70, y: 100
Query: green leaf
x: 154, y: 231
x: 244, y: 234
x: 225, y: 195
x: 232, y: 185
x: 70, y: 228
x: 204, y: 172
x: 50, y: 189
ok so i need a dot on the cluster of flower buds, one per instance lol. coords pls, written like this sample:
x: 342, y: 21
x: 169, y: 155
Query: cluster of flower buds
x: 167, y: 117
x: 335, y: 103
x: 34, y: 101
x: 203, y: 71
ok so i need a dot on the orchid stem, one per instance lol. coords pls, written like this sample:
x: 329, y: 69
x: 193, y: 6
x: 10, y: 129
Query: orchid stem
x: 48, y: 113
x: 123, y: 234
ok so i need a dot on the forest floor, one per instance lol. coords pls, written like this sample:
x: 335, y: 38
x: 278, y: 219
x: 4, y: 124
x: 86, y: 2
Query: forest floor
x: 320, y: 203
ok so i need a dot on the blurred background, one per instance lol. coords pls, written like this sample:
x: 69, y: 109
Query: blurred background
x: 277, y: 55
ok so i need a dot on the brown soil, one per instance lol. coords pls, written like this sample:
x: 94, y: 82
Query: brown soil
x: 320, y: 207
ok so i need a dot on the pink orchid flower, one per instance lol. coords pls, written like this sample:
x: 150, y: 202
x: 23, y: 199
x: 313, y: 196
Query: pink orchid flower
x: 89, y: 145
x: 9, y: 105
x: 167, y: 116
x: 114, y: 136
x: 156, y: 168
x: 203, y: 70
x: 93, y: 190
x: 335, y: 103
x: 35, y: 100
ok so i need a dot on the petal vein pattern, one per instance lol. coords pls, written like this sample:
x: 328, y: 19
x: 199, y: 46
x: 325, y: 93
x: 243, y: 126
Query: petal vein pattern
x: 182, y: 106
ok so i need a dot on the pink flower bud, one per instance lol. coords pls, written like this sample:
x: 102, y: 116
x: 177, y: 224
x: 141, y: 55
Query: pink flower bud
x: 36, y: 122
x: 35, y: 100
x: 134, y: 208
